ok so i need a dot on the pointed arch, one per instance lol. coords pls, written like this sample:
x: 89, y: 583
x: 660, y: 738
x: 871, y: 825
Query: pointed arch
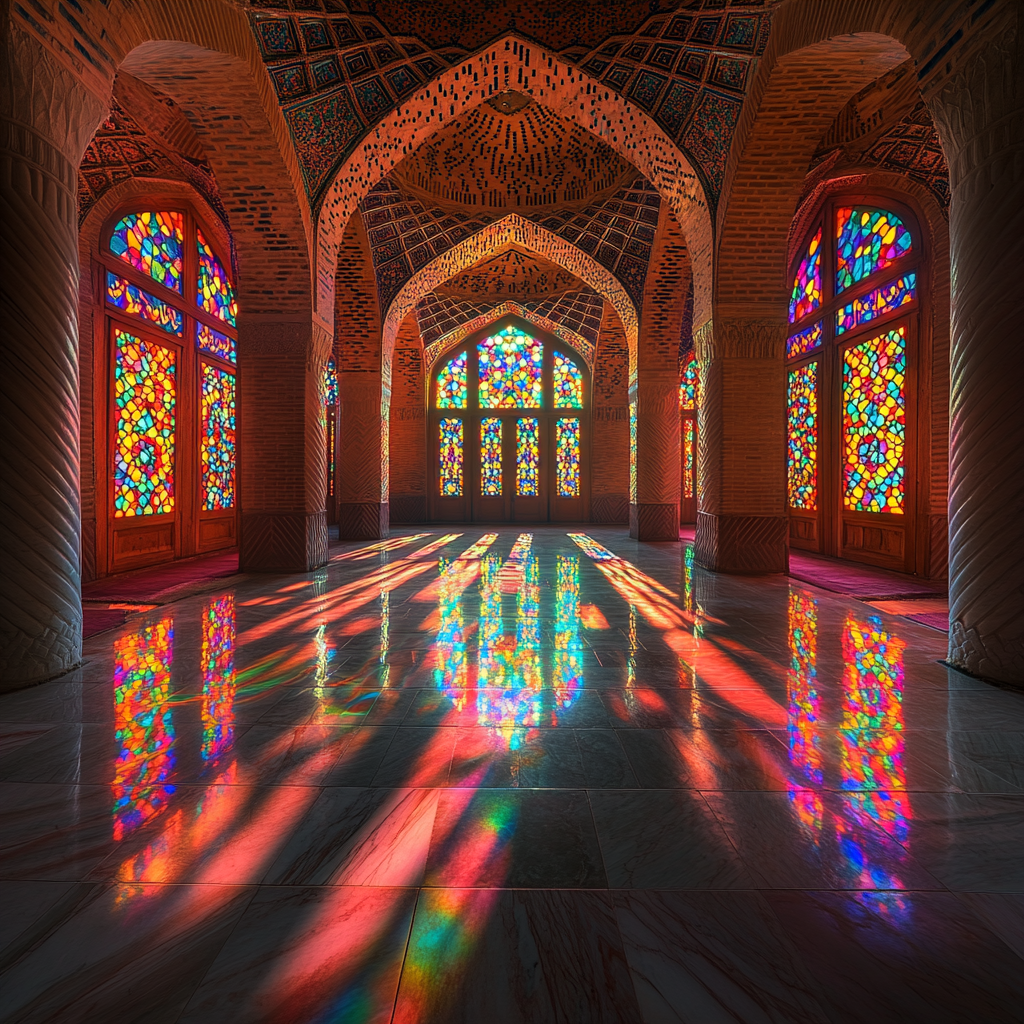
x: 511, y: 63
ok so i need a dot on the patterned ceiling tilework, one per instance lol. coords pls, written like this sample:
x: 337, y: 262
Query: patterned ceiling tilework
x: 438, y: 315
x: 912, y: 147
x: 515, y: 274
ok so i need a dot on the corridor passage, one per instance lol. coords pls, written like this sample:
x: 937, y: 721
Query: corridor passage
x: 487, y: 777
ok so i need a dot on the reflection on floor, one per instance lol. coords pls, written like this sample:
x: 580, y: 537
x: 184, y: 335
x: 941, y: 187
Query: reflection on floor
x: 505, y: 776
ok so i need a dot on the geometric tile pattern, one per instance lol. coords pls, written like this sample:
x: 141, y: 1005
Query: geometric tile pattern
x: 912, y: 147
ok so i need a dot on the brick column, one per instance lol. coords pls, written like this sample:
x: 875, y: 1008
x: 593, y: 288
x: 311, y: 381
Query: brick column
x: 741, y: 504
x: 654, y: 515
x: 981, y: 119
x: 281, y: 444
x: 363, y: 456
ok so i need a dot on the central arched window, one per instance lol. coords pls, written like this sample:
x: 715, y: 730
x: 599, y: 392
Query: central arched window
x: 508, y: 428
x: 170, y: 314
x: 854, y: 311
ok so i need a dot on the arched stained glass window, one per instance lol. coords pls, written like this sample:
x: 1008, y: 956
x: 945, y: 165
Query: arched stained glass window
x: 452, y: 384
x: 568, y: 383
x: 214, y: 291
x: 689, y: 386
x: 867, y: 240
x: 510, y: 370
x: 807, y: 284
x: 152, y: 242
x: 217, y: 440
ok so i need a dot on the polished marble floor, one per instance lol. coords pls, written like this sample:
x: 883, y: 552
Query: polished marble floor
x: 525, y: 777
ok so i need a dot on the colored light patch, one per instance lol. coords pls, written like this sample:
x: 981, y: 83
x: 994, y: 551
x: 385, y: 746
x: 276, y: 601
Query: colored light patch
x: 567, y: 457
x: 510, y: 370
x: 450, y: 439
x: 214, y: 343
x: 867, y: 240
x: 218, y: 661
x: 217, y: 440
x: 877, y: 303
x: 802, y: 432
x: 806, y: 341
x: 490, y: 457
x: 804, y: 701
x: 452, y: 384
x: 689, y: 456
x: 528, y: 457
x: 806, y: 296
x: 689, y: 385
x: 152, y: 243
x: 568, y: 382
x: 215, y: 292
x: 145, y: 395
x: 874, y: 423
x: 125, y: 296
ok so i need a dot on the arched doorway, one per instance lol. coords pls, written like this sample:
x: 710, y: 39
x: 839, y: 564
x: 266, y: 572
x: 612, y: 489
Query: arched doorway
x: 509, y: 428
x: 852, y: 399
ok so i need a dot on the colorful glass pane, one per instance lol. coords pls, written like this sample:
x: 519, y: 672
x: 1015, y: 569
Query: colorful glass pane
x: 215, y: 293
x: 802, y: 432
x: 153, y: 244
x: 689, y: 385
x: 126, y: 296
x: 632, y: 452
x: 218, y: 710
x: 490, y: 457
x: 143, y: 729
x: 528, y: 457
x: 871, y: 732
x: 874, y: 423
x: 568, y: 382
x: 510, y: 370
x: 450, y: 438
x: 876, y: 303
x: 806, y: 295
x: 330, y: 383
x: 452, y: 384
x: 805, y: 341
x: 214, y: 343
x: 217, y: 440
x: 567, y: 457
x: 145, y: 395
x: 867, y: 240
x: 689, y: 455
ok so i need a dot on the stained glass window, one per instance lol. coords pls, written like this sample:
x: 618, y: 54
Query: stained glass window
x: 874, y: 423
x: 330, y: 383
x: 153, y: 243
x: 806, y: 341
x: 528, y: 457
x: 567, y: 457
x: 806, y: 295
x: 689, y: 386
x: 876, y: 303
x: 143, y: 728
x: 867, y: 240
x: 145, y: 394
x: 632, y: 452
x: 689, y: 455
x: 490, y: 456
x: 510, y: 370
x: 127, y: 297
x: 214, y: 291
x: 568, y: 382
x: 214, y: 343
x: 451, y: 442
x: 217, y: 438
x: 802, y: 431
x: 452, y: 386
x: 218, y: 710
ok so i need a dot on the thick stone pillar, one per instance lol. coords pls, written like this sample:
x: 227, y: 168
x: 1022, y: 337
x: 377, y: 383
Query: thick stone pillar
x: 281, y: 444
x: 654, y: 508
x: 981, y: 119
x: 363, y: 456
x: 741, y: 503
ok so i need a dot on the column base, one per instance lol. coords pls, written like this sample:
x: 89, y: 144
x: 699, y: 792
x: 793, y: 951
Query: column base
x: 742, y: 544
x: 282, y: 541
x: 653, y: 522
x: 363, y: 520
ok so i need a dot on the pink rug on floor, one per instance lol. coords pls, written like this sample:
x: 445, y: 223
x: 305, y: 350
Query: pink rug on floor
x: 860, y: 581
x: 937, y: 620
x: 99, y: 620
x: 143, y: 585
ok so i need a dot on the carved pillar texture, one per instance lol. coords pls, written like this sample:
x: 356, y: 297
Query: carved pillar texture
x: 363, y: 456
x: 655, y: 515
x: 741, y: 514
x: 282, y: 444
x: 40, y: 520
x: 981, y: 115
